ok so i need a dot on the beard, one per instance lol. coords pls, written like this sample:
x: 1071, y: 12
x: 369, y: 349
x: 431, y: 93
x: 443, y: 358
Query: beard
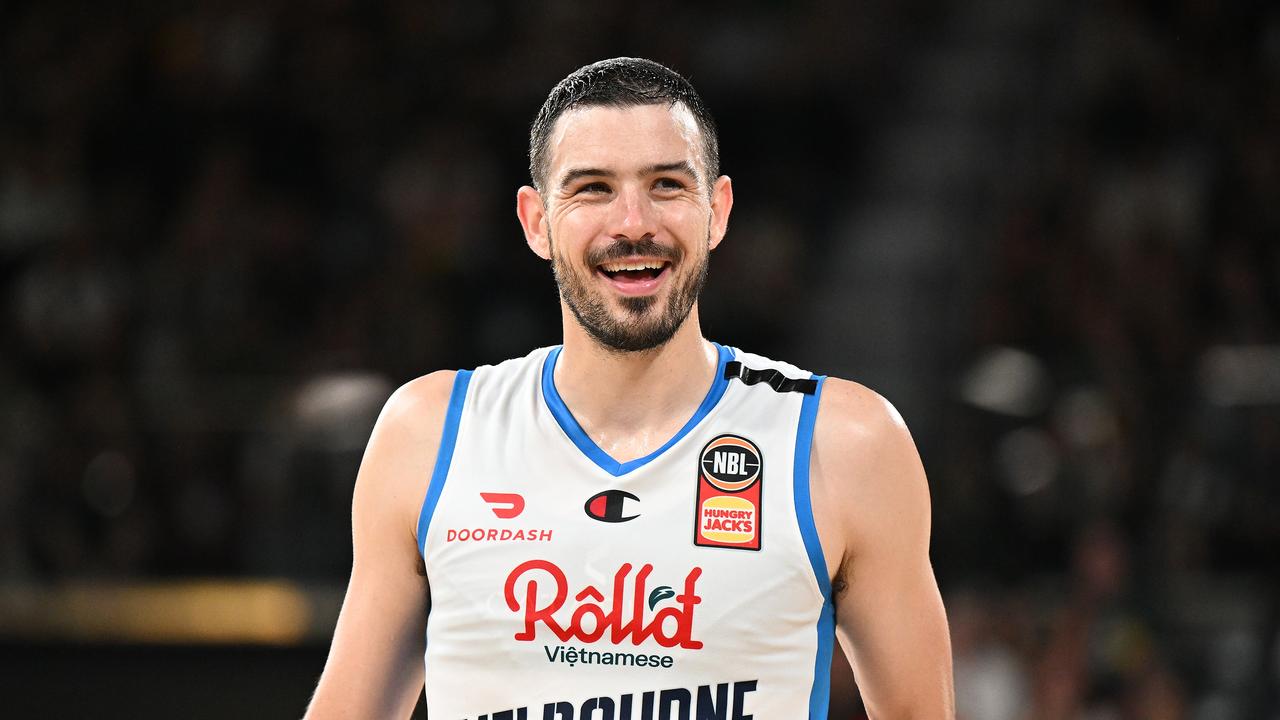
x: 638, y: 329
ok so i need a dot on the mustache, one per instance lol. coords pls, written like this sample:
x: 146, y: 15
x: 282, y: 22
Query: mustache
x: 623, y: 248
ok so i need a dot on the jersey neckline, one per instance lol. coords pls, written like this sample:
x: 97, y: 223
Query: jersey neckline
x: 569, y: 424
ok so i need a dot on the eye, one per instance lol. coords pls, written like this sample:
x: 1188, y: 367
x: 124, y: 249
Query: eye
x: 667, y: 183
x: 593, y: 188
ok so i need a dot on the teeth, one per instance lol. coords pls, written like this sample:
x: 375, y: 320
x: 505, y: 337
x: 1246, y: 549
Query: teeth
x: 642, y: 265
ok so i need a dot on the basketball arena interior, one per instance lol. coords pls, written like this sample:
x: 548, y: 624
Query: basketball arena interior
x: 1048, y: 232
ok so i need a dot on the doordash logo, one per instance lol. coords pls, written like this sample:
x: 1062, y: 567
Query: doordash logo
x: 504, y: 505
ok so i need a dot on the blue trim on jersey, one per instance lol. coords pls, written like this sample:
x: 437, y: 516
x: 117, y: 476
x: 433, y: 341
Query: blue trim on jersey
x: 820, y: 695
x: 444, y: 455
x: 588, y: 446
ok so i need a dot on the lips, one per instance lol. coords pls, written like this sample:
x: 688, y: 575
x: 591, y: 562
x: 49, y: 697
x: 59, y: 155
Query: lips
x: 634, y: 276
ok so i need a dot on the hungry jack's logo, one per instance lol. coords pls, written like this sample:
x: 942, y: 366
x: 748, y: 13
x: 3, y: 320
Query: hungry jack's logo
x: 730, y: 479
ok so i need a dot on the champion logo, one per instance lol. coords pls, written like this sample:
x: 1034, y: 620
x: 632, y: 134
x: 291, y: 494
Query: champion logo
x: 612, y: 506
x: 504, y: 505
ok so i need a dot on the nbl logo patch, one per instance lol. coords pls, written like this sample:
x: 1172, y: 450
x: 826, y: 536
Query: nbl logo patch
x: 730, y: 478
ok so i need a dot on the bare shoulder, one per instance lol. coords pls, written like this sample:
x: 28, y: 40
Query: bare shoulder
x: 871, y: 503
x: 854, y: 420
x: 401, y: 452
x: 866, y: 470
x: 377, y: 642
x: 418, y: 407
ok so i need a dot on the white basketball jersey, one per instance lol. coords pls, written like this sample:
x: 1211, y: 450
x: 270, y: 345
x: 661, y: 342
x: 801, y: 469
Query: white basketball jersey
x: 685, y: 585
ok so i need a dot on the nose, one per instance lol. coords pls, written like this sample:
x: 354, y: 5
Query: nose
x: 634, y: 215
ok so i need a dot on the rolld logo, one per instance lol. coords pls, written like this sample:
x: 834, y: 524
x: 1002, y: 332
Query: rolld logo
x: 616, y: 617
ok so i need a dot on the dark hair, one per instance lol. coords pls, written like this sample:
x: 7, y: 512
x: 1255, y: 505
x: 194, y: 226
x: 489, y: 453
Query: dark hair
x: 620, y: 83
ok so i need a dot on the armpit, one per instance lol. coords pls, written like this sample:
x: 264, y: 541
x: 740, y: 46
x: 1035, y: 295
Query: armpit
x: 840, y: 583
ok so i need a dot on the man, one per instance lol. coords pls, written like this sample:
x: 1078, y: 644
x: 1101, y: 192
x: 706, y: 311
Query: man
x: 639, y: 524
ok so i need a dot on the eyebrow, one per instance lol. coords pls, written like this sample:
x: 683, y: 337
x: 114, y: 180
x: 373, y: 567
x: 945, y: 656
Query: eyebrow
x: 681, y: 166
x: 576, y: 173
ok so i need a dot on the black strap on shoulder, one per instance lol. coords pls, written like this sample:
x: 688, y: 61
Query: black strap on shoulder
x: 774, y: 379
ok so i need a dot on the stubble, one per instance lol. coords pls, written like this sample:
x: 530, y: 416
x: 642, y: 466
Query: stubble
x: 637, y: 329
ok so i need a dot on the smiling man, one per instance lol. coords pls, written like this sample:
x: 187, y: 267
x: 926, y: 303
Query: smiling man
x: 638, y: 524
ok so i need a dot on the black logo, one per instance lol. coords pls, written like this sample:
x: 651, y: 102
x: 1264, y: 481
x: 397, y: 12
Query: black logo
x: 731, y: 463
x: 607, y: 506
x: 660, y: 593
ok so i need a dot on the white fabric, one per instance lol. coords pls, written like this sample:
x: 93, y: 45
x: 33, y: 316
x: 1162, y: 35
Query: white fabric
x: 758, y: 612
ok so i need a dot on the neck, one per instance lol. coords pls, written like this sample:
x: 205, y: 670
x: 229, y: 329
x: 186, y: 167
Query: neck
x: 630, y: 403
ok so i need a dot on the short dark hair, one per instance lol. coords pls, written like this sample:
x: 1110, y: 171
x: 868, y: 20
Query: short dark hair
x: 620, y: 83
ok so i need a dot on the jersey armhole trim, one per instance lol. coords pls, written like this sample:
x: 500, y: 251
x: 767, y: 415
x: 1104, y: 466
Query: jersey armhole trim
x: 444, y: 456
x: 820, y: 695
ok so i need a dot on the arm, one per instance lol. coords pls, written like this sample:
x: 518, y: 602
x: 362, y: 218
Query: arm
x: 871, y: 503
x: 374, y: 665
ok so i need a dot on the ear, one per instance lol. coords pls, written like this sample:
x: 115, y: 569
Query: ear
x: 721, y: 205
x: 533, y: 218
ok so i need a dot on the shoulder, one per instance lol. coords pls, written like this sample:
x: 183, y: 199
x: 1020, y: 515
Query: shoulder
x: 865, y: 466
x: 418, y: 407
x: 408, y: 430
x: 402, y: 449
x: 852, y: 418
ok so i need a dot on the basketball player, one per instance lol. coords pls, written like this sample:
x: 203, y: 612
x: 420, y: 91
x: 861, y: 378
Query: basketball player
x: 639, y: 524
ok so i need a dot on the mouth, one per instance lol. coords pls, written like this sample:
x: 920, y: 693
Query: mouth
x: 639, y: 276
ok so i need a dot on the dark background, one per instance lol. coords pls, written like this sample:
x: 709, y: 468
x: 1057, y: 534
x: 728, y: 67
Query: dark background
x: 1049, y: 232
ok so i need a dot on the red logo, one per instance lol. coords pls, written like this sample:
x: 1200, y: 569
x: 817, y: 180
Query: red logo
x: 594, y: 615
x: 729, y: 507
x: 497, y: 535
x: 504, y: 505
x: 608, y: 506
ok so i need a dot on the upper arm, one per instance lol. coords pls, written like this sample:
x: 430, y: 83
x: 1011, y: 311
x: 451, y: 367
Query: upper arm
x: 867, y: 477
x: 374, y: 663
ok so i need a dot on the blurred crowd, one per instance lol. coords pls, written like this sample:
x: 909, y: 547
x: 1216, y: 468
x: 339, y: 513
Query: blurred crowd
x: 1115, y: 443
x: 229, y: 229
